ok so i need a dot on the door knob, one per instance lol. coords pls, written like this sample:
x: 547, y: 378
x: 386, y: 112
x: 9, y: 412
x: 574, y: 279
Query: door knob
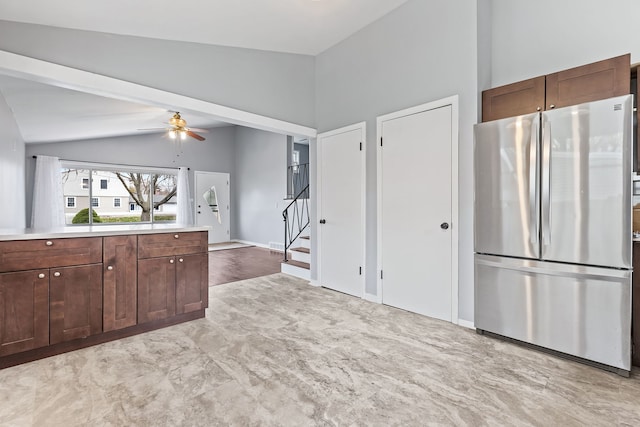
x: 444, y: 226
x: 323, y: 221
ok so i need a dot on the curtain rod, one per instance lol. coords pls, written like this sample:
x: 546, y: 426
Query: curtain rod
x: 114, y: 164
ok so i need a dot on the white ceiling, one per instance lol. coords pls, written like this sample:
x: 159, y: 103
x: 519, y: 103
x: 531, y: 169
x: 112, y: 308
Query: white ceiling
x: 295, y: 26
x: 48, y: 114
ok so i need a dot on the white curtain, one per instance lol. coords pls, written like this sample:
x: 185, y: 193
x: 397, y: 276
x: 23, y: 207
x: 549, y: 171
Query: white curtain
x: 185, y: 214
x: 47, y: 211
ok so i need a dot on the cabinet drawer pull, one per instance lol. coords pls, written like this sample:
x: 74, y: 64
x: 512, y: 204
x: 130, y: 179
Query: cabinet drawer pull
x: 41, y: 276
x: 170, y: 261
x: 56, y: 274
x: 177, y: 236
x: 181, y: 260
x: 110, y: 268
x: 552, y: 106
x: 49, y: 243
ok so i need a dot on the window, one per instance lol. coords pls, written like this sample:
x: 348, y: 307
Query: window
x: 139, y: 194
x: 71, y: 202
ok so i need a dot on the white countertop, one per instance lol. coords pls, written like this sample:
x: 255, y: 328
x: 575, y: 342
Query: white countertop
x: 95, y: 231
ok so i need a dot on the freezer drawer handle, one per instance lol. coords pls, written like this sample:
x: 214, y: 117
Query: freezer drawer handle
x: 611, y: 275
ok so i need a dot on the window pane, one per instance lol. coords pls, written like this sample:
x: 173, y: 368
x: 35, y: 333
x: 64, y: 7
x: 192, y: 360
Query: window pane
x: 76, y: 193
x: 121, y: 196
x: 164, y: 198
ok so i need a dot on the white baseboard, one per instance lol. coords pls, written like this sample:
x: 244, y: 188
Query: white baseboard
x: 466, y: 324
x: 315, y: 283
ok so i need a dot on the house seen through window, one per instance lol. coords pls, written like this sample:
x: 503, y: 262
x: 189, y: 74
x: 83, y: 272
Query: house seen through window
x: 119, y: 195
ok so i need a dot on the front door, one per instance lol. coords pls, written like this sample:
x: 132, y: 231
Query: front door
x: 415, y: 211
x: 341, y: 232
x: 212, y: 204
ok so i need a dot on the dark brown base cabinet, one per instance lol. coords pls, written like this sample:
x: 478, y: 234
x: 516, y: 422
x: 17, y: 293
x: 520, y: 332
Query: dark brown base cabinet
x: 24, y: 311
x: 635, y: 307
x: 120, y: 286
x: 75, y: 302
x: 63, y: 294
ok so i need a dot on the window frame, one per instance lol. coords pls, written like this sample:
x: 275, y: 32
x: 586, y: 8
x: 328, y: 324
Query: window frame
x: 119, y: 199
x: 93, y: 168
x: 69, y: 198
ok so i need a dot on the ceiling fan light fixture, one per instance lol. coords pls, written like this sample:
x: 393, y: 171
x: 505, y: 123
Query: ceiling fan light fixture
x: 172, y: 134
x: 183, y: 134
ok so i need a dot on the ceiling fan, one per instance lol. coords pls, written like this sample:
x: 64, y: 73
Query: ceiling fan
x: 179, y: 128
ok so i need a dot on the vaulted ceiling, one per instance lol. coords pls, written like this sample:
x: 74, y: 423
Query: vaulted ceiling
x: 48, y: 114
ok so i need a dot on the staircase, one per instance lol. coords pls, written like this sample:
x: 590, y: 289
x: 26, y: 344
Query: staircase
x: 297, y: 243
x: 298, y: 262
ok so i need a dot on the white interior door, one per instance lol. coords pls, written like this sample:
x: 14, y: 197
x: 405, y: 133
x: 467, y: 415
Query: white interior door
x: 415, y: 191
x: 341, y: 208
x: 213, y: 204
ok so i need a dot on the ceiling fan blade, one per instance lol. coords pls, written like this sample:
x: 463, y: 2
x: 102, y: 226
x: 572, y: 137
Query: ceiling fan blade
x: 195, y: 135
x: 199, y: 130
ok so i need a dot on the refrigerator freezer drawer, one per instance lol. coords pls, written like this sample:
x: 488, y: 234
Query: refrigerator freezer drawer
x: 578, y: 310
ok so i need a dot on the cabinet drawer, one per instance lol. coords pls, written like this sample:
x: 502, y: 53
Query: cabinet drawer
x: 169, y: 244
x: 19, y: 255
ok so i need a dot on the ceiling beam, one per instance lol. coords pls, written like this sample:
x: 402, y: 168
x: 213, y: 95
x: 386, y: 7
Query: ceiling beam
x: 23, y: 67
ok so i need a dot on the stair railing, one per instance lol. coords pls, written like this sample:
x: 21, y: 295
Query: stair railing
x: 297, y: 179
x: 296, y: 218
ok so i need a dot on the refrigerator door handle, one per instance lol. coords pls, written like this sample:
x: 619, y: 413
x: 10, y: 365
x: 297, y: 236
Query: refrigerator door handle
x: 546, y: 181
x: 533, y: 182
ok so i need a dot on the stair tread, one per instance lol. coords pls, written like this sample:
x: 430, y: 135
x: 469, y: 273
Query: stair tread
x: 300, y: 264
x: 301, y: 249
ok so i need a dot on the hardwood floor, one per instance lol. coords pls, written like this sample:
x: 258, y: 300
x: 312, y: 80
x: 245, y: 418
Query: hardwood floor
x: 231, y: 265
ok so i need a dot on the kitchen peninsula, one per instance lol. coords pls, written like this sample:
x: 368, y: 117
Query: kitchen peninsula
x: 73, y: 287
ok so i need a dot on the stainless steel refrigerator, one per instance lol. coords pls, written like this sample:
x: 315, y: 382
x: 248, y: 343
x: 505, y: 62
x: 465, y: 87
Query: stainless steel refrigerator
x: 553, y: 235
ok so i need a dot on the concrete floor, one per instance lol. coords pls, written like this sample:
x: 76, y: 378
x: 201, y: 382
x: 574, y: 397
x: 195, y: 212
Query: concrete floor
x: 276, y: 351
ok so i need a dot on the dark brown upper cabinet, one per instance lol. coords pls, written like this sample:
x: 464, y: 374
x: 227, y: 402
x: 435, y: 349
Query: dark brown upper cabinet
x: 591, y: 82
x: 600, y: 80
x: 513, y: 99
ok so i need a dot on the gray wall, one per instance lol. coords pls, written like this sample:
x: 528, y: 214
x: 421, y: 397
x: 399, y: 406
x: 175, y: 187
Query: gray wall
x: 423, y: 51
x: 12, y: 178
x: 278, y: 85
x: 304, y: 152
x: 532, y: 38
x: 215, y: 154
x: 260, y: 186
